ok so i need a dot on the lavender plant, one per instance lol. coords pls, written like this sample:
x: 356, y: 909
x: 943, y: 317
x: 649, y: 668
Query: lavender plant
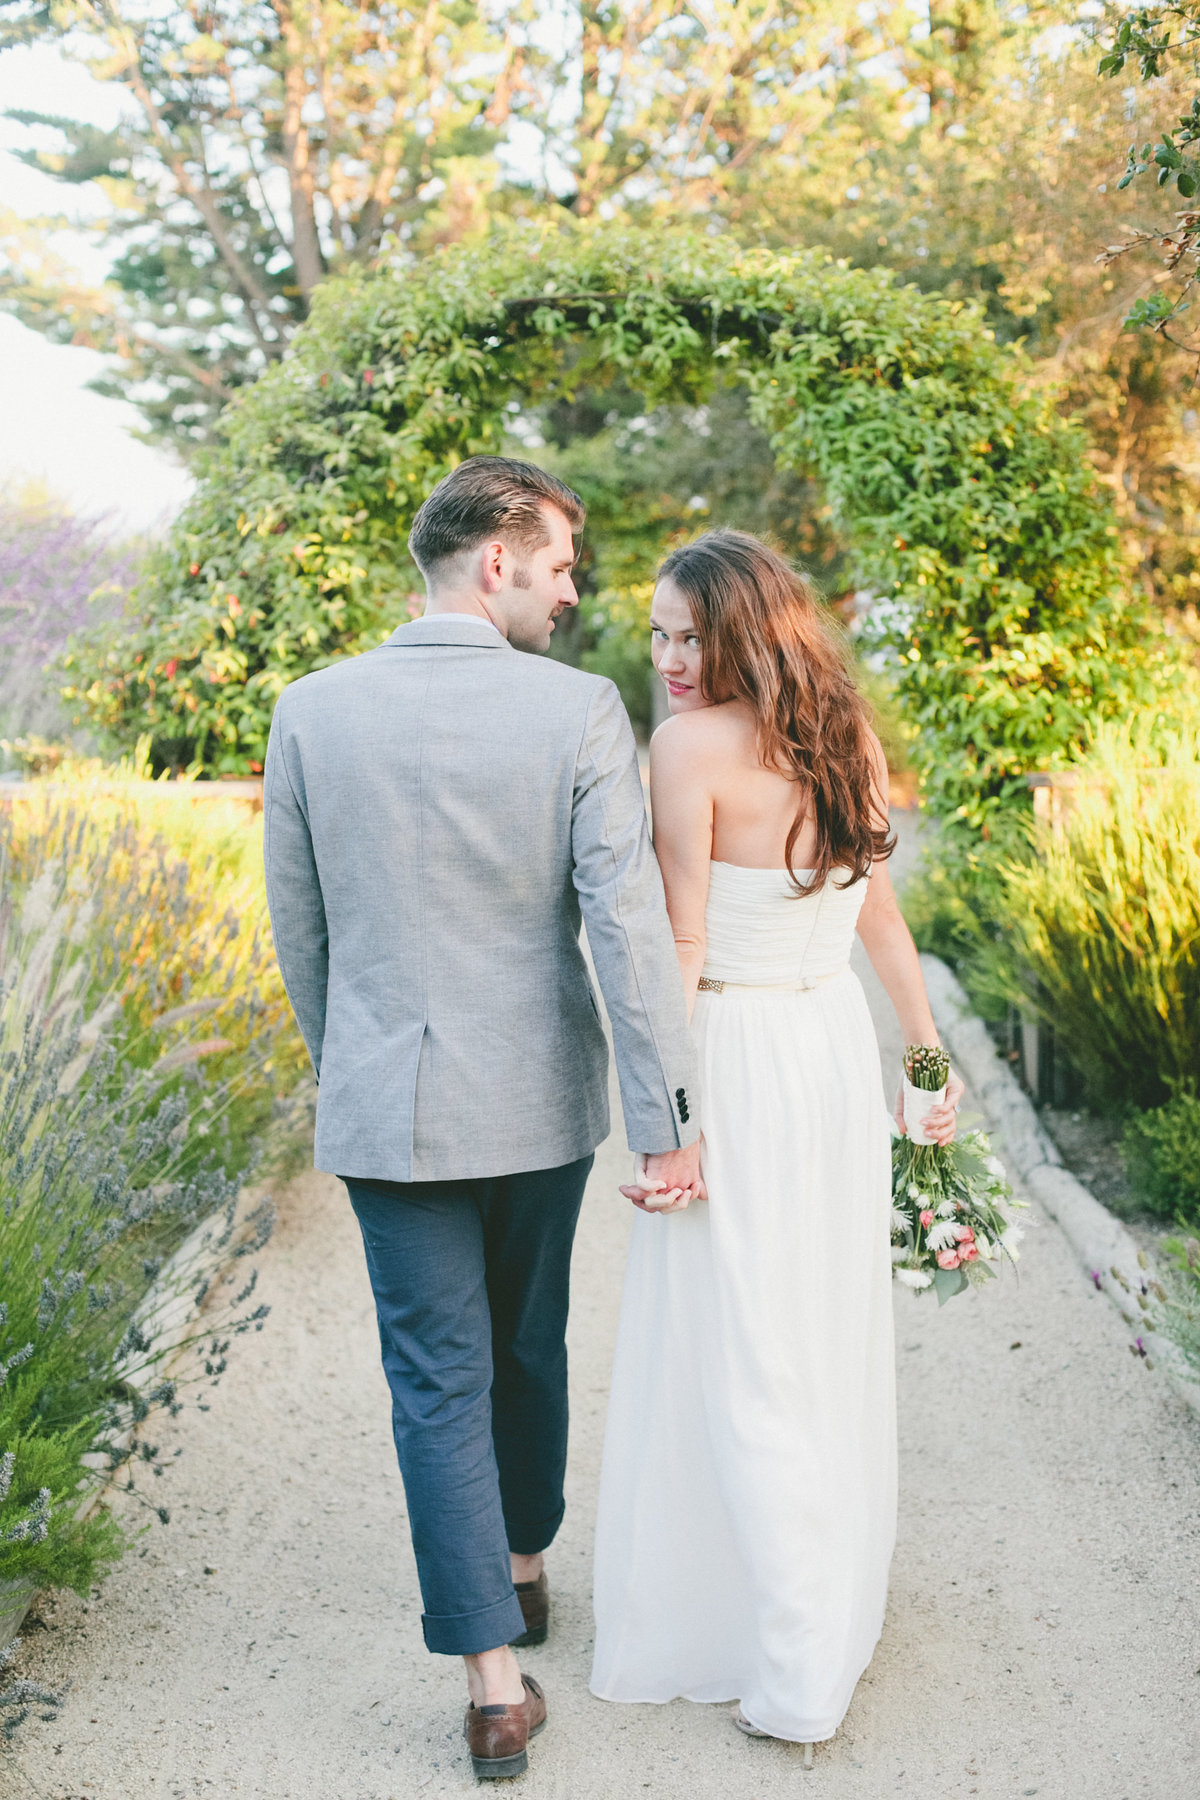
x: 170, y: 901
x: 58, y: 574
x: 123, y: 1150
x: 18, y: 1698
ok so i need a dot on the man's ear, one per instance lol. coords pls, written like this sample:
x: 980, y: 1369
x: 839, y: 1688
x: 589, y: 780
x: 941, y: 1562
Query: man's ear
x: 492, y: 566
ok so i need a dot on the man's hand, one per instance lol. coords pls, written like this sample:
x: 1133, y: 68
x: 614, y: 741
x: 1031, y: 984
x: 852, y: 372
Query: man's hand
x: 667, y: 1181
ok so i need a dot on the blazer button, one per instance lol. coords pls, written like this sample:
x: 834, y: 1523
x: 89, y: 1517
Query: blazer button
x: 680, y: 1094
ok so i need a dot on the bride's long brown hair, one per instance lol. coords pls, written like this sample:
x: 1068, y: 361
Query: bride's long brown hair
x: 766, y: 639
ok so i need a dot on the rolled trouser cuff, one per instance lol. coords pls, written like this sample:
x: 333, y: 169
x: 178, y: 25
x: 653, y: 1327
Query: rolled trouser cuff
x: 531, y: 1540
x: 466, y: 1634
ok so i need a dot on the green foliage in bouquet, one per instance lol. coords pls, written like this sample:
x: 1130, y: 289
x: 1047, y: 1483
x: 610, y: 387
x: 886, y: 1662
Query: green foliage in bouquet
x: 1161, y: 1149
x: 961, y: 497
x: 952, y: 1221
x: 951, y: 1205
x: 1104, y: 914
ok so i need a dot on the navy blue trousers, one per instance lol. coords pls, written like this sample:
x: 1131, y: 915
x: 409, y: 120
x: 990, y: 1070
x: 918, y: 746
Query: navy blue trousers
x: 471, y: 1282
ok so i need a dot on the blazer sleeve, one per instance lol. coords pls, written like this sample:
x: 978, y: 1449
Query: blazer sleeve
x: 621, y: 897
x: 294, y: 897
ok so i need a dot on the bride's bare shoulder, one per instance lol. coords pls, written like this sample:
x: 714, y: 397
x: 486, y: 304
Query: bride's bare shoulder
x: 710, y: 732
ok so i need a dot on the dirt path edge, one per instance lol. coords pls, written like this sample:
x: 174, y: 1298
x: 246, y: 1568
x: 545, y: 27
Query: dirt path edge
x: 1103, y: 1246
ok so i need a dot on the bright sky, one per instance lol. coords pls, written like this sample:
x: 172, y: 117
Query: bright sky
x: 52, y: 429
x: 77, y: 443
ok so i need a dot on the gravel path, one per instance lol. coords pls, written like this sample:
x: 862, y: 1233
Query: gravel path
x: 1042, y: 1635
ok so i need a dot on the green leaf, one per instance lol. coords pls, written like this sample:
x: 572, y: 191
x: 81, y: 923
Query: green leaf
x: 947, y: 1283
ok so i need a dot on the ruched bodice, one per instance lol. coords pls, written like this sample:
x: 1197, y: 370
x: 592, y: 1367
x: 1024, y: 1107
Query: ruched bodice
x: 760, y: 931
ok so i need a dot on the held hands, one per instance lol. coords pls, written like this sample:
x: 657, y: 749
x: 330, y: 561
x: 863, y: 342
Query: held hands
x: 668, y: 1181
x: 941, y: 1122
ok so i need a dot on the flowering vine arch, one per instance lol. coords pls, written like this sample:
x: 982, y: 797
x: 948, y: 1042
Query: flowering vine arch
x: 962, y: 495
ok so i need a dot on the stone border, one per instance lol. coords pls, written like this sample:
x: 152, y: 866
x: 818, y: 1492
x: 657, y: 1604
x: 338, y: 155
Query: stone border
x: 167, y: 1314
x: 1103, y: 1246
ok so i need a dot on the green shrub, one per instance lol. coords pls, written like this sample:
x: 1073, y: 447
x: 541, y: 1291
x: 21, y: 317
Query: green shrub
x: 1178, y: 1318
x: 1162, y: 1157
x: 618, y: 630
x: 1098, y: 926
x: 944, y: 902
x: 960, y: 497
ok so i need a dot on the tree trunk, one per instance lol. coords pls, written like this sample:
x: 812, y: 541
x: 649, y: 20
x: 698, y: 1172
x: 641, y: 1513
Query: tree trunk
x: 307, y: 260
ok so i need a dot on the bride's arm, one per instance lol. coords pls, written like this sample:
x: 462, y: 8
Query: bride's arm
x: 888, y: 942
x: 681, y: 803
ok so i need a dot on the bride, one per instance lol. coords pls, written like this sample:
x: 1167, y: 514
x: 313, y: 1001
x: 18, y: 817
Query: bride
x: 748, y: 1496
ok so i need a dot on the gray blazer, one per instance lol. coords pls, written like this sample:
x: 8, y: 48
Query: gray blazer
x: 438, y: 813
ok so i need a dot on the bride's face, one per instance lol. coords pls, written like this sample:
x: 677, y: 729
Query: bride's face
x: 675, y: 648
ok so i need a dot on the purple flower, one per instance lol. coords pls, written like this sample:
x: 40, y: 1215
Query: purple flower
x: 58, y: 573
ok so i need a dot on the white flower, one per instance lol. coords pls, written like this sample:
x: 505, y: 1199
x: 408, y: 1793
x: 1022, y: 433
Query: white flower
x: 946, y: 1210
x: 913, y: 1278
x: 942, y: 1236
x: 1010, y: 1239
x: 914, y: 1192
x: 994, y: 1164
x: 900, y: 1220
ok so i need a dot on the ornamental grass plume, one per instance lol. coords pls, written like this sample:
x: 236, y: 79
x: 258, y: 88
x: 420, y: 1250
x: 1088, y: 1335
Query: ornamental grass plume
x: 1105, y: 915
x: 139, y: 1043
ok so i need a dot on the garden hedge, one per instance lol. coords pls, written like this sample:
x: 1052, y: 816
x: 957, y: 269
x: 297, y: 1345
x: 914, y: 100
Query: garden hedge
x: 963, y: 497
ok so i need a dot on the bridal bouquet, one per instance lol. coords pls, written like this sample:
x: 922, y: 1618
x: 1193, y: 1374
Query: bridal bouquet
x: 952, y: 1209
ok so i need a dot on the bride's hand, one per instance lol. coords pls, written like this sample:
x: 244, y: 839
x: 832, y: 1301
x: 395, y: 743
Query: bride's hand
x: 652, y: 1196
x: 657, y: 1198
x: 941, y: 1122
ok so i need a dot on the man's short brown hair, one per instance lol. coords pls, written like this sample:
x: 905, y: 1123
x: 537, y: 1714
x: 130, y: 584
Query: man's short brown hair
x: 490, y: 497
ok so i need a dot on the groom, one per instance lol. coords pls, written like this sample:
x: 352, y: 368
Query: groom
x: 438, y: 814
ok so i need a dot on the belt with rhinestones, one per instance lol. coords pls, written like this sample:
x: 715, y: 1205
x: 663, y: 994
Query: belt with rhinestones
x: 801, y: 985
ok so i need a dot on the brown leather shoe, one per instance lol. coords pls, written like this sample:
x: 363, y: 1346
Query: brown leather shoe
x: 497, y: 1735
x: 535, y: 1610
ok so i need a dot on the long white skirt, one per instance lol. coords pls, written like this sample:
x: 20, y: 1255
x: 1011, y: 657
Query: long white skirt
x: 748, y: 1497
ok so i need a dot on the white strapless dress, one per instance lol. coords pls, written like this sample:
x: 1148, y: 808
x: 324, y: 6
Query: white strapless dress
x: 748, y: 1496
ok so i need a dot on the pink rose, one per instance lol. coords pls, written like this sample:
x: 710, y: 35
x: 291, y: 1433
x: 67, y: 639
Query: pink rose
x: 964, y: 1234
x: 927, y: 1219
x: 968, y: 1252
x: 947, y: 1259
